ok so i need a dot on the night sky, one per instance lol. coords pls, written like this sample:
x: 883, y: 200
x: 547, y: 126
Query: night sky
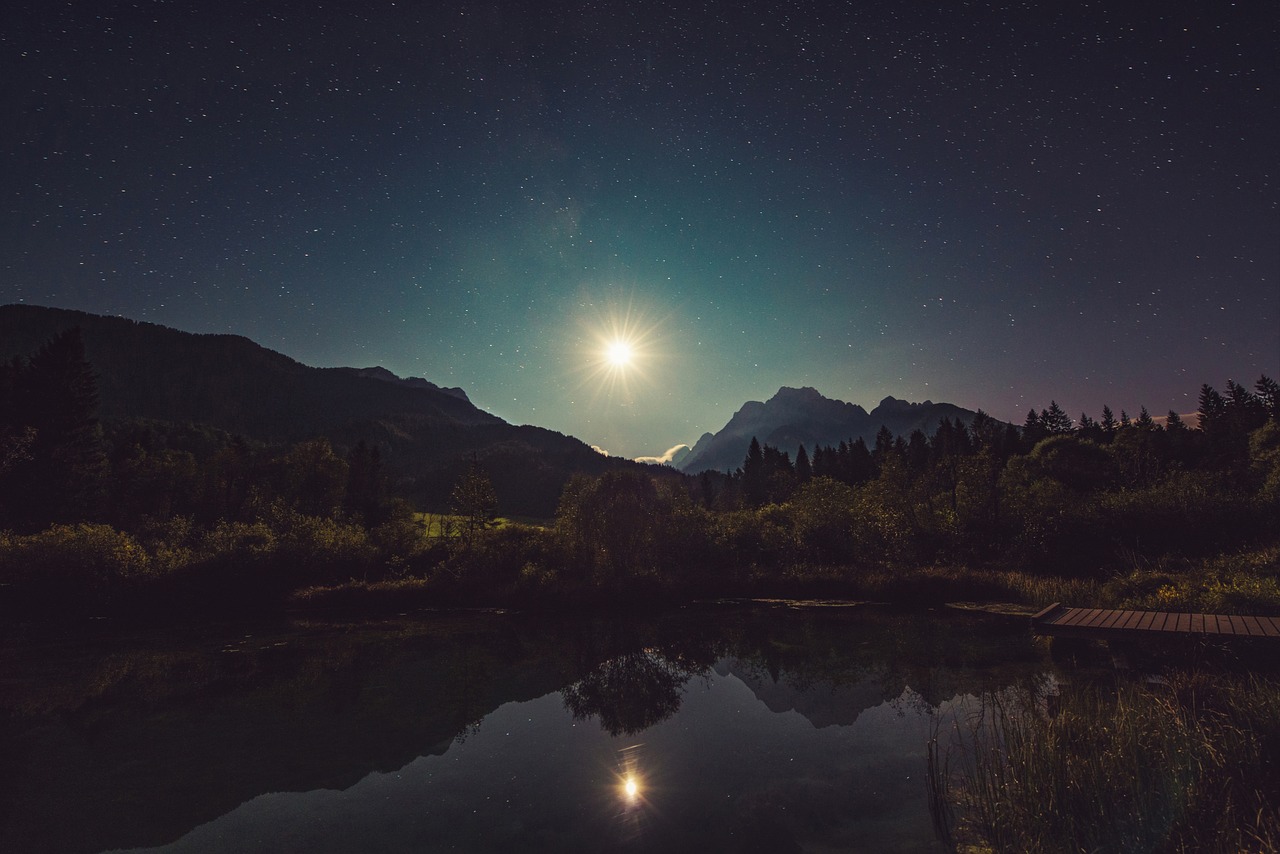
x: 993, y: 205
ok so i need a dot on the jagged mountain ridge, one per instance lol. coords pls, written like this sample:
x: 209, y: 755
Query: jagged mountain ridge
x: 381, y: 373
x: 802, y: 416
x: 427, y: 434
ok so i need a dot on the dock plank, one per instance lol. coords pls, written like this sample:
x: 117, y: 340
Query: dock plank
x: 1114, y: 620
x: 1109, y: 622
x: 1094, y: 617
x: 1132, y: 620
x: 1079, y: 617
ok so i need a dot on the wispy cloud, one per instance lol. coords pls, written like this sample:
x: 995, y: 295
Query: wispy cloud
x: 666, y: 458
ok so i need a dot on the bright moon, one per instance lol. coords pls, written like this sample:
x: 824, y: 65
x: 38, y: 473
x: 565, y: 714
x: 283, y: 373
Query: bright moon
x: 619, y: 354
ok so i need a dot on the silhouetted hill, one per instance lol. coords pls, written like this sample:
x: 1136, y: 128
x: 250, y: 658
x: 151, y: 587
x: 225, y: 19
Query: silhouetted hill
x: 151, y: 371
x: 801, y: 416
x: 427, y: 434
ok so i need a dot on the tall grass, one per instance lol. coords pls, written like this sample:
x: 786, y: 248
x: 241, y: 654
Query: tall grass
x: 1246, y: 582
x: 1189, y: 765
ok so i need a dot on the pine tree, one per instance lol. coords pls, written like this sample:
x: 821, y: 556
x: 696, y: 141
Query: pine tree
x: 1269, y: 396
x: 1054, y: 420
x: 884, y: 444
x: 754, y: 477
x: 917, y: 452
x: 1212, y: 410
x: 982, y: 429
x: 1108, y: 423
x: 1244, y: 409
x: 844, y: 464
x: 804, y: 471
x: 779, y: 475
x: 1033, y: 429
x: 55, y: 393
x: 1090, y: 429
x: 859, y: 466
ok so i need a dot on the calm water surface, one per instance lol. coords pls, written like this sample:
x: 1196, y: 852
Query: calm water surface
x: 708, y: 729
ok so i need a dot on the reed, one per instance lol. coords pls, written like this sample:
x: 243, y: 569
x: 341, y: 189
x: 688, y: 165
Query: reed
x: 1187, y: 765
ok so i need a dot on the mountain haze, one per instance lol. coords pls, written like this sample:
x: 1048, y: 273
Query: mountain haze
x: 801, y: 416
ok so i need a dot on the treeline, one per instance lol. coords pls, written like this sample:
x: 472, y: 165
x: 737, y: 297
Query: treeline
x: 155, y: 511
x: 1141, y: 450
x: 59, y: 465
x: 1135, y: 508
x: 155, y: 516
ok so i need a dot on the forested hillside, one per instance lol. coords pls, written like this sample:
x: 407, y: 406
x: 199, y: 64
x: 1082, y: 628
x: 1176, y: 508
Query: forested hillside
x: 135, y: 515
x: 161, y: 391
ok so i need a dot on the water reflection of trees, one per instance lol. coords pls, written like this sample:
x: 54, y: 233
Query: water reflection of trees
x: 937, y: 656
x: 631, y: 692
x: 829, y: 667
x: 181, y: 727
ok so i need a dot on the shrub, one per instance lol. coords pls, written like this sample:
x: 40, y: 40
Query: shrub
x: 1189, y: 513
x: 822, y: 515
x: 77, y: 568
x: 496, y: 560
x: 316, y: 549
x: 746, y: 539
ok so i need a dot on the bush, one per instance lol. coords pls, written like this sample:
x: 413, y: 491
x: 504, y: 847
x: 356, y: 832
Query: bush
x: 743, y: 540
x: 821, y: 515
x: 238, y: 542
x: 496, y: 561
x: 317, y: 550
x: 1188, y: 513
x: 76, y: 568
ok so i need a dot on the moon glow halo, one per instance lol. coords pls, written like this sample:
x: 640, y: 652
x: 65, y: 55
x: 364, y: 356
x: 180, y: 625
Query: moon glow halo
x: 619, y: 354
x: 620, y: 351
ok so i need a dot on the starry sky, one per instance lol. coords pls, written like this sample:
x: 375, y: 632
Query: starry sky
x: 990, y: 204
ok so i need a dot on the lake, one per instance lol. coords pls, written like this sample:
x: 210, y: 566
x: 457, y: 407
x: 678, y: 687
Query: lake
x: 709, y: 728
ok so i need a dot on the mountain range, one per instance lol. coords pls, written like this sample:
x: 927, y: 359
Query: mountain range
x: 801, y: 416
x: 427, y: 434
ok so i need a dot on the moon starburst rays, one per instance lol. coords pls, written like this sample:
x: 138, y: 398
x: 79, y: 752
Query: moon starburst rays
x: 620, y: 351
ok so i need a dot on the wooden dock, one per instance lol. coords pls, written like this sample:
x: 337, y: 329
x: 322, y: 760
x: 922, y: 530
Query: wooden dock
x: 1106, y: 624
